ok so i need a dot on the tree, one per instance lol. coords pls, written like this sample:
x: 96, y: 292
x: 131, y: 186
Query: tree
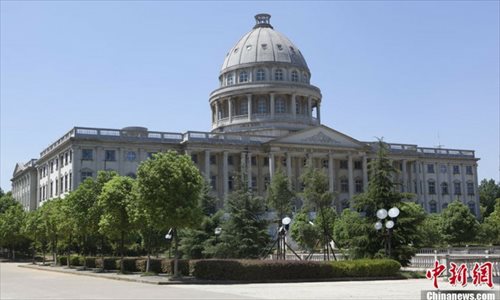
x: 352, y: 232
x: 244, y: 233
x: 279, y: 195
x: 430, y: 231
x: 52, y: 217
x: 489, y: 191
x: 458, y: 224
x: 169, y: 190
x: 490, y: 229
x: 115, y: 222
x: 35, y: 230
x: 11, y: 225
x: 304, y: 232
x: 7, y: 201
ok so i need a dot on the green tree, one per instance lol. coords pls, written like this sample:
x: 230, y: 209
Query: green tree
x: 244, y: 233
x: 305, y: 232
x: 490, y: 229
x: 353, y: 233
x: 52, y: 216
x: 279, y: 194
x: 35, y: 230
x: 430, y: 231
x: 458, y: 224
x: 489, y: 191
x: 115, y: 222
x: 11, y: 225
x: 169, y: 191
x: 7, y: 201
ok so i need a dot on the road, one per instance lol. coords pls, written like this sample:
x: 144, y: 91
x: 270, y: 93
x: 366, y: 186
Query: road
x: 23, y: 283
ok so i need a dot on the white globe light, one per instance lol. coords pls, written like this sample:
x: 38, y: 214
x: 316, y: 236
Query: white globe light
x: 218, y: 231
x: 381, y: 213
x: 378, y: 225
x: 286, y: 220
x: 393, y: 212
x: 389, y: 224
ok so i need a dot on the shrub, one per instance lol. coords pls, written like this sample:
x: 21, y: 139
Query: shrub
x: 257, y: 270
x: 76, y: 260
x: 62, y: 260
x: 167, y: 266
x: 89, y: 261
x: 154, y: 265
x: 128, y: 264
x: 106, y: 263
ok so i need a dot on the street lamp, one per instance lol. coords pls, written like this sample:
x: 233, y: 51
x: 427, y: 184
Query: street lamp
x: 382, y: 214
x: 217, y: 232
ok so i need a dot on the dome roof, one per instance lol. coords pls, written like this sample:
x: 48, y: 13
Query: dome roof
x: 263, y: 44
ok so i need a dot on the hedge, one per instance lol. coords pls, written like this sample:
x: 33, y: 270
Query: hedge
x: 129, y: 264
x: 167, y: 266
x: 262, y: 270
x: 154, y: 265
x: 106, y: 263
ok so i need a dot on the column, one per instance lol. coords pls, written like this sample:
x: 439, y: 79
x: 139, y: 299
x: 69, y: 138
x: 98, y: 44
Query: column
x: 249, y: 169
x: 207, y: 166
x: 405, y: 176
x: 424, y: 187
x: 351, y: 179
x: 249, y: 103
x: 225, y: 172
x: 294, y: 105
x: 318, y: 112
x: 271, y: 165
x: 272, y: 104
x: 365, y: 173
x: 309, y: 105
x: 463, y: 185
x: 450, y: 182
x: 437, y: 169
x: 289, y: 169
x: 230, y: 108
x: 217, y: 112
x: 243, y: 163
x: 331, y: 179
x: 476, y: 191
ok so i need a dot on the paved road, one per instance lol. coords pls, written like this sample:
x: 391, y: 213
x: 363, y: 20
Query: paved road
x: 22, y: 283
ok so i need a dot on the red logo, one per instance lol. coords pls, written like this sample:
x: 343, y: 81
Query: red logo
x: 481, y: 274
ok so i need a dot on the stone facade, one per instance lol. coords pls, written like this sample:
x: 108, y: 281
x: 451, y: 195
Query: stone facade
x: 265, y: 116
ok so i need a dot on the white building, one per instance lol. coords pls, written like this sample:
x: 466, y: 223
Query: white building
x: 265, y: 115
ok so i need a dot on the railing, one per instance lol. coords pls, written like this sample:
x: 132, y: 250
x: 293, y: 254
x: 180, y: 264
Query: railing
x: 265, y: 117
x: 447, y: 152
x: 409, y: 149
x: 224, y: 137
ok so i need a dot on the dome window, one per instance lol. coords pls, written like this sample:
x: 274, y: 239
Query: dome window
x: 278, y: 75
x: 249, y: 47
x: 261, y: 106
x: 280, y: 105
x: 264, y: 46
x: 280, y: 47
x: 230, y: 79
x: 295, y: 76
x: 236, y: 50
x: 243, y: 76
x: 261, y: 75
x: 292, y: 50
x: 305, y: 78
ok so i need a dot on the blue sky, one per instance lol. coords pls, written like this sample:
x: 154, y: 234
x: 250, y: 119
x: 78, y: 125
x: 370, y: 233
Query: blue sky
x: 419, y: 72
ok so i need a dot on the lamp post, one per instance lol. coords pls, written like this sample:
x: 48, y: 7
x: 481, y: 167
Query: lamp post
x: 217, y: 232
x: 282, y: 230
x: 382, y: 214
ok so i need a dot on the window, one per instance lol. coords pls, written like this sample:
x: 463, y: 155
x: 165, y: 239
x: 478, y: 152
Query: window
x: 230, y: 160
x: 57, y: 163
x: 295, y: 76
x: 57, y: 186
x: 52, y: 167
x: 243, y: 76
x: 70, y: 181
x: 444, y: 188
x: 261, y: 75
x: 254, y: 160
x: 87, y: 154
x: 280, y: 105
x: 468, y: 170
x: 213, y: 182
x: 261, y: 106
x: 213, y: 159
x: 84, y: 175
x: 305, y: 162
x: 433, y: 207
x: 267, y: 180
x: 443, y: 168
x: 305, y: 77
x: 430, y: 168
x: 297, y: 107
x: 266, y: 161
x: 151, y: 154
x: 358, y: 185
x: 131, y: 175
x: 457, y: 188
x: 456, y: 170
x: 472, y: 207
x: 278, y: 75
x: 65, y: 182
x: 70, y: 155
x: 62, y: 184
x: 324, y: 163
x: 344, y: 185
x: 254, y: 182
x: 230, y: 79
x: 358, y: 165
x: 230, y: 181
x: 431, y: 187
x: 345, y: 204
x: 244, y: 107
x: 131, y: 156
x: 110, y: 155
x: 51, y: 189
x: 283, y: 161
x: 194, y: 158
x: 343, y: 164
x: 415, y: 186
x: 445, y: 205
x: 470, y: 188
x: 66, y: 157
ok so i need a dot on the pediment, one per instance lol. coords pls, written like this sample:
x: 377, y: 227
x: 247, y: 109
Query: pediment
x: 320, y: 136
x: 19, y: 167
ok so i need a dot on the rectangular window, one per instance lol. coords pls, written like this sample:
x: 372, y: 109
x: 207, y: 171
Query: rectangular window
x: 358, y: 165
x: 66, y: 156
x: 150, y: 154
x: 213, y: 182
x: 444, y: 188
x: 57, y: 186
x: 358, y: 186
x: 70, y: 181
x: 266, y: 161
x: 230, y: 182
x: 57, y: 163
x: 344, y: 186
x: 66, y: 183
x: 430, y: 168
x: 343, y: 164
x: 470, y: 188
x: 70, y: 156
x: 87, y: 154
x: 110, y: 155
x: 244, y: 107
x: 194, y: 158
x: 456, y: 170
x: 62, y: 185
x: 457, y: 188
x: 324, y: 162
x: 432, y: 187
x: 51, y: 189
x: 230, y: 160
x: 254, y: 182
x: 51, y: 167
x: 443, y: 168
x: 254, y: 160
x: 213, y: 159
x: 85, y: 174
x: 468, y: 170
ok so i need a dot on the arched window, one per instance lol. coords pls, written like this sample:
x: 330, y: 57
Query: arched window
x: 280, y: 105
x: 433, y: 207
x: 472, y: 207
x: 470, y: 188
x: 344, y: 185
x: 278, y: 75
x: 457, y: 186
x: 261, y: 106
x: 295, y: 76
x: 243, y: 76
x: 444, y: 188
x: 305, y: 78
x: 261, y: 75
x: 431, y: 187
x: 230, y: 79
x: 358, y: 184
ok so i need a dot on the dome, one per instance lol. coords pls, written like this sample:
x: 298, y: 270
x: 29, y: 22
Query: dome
x: 263, y: 45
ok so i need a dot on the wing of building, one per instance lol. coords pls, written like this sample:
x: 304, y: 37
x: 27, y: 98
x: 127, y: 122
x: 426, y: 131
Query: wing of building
x: 265, y: 115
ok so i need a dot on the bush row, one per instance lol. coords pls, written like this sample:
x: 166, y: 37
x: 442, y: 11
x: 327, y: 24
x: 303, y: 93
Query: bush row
x: 262, y: 270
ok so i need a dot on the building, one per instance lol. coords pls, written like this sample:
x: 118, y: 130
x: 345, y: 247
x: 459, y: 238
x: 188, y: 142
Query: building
x: 265, y: 115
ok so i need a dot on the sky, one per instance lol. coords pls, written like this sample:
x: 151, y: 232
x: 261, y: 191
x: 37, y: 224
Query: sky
x: 415, y: 72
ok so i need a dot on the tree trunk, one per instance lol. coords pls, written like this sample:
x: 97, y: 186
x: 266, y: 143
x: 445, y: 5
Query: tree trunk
x: 34, y: 255
x: 43, y: 256
x: 176, y: 254
x: 122, y: 237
